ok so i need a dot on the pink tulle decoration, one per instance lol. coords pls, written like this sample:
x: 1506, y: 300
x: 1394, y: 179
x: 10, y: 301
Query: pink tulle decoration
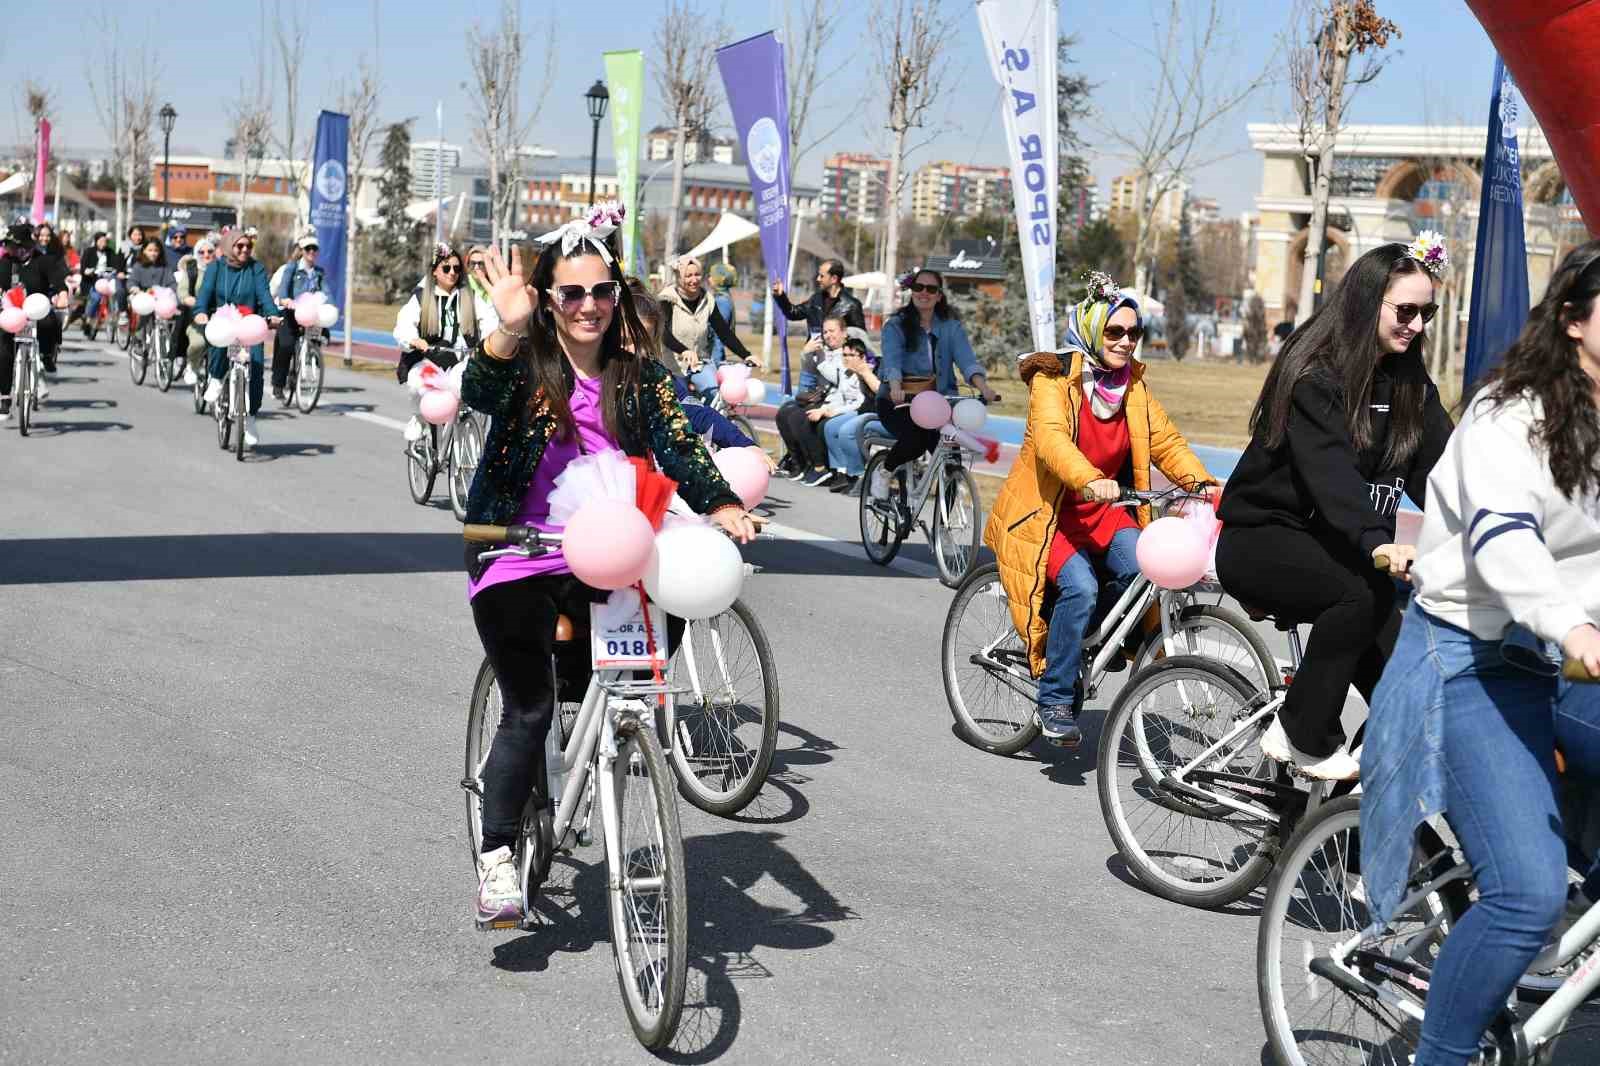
x: 437, y: 407
x: 253, y: 329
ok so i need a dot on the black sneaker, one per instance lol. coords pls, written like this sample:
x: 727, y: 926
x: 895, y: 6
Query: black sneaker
x: 816, y: 477
x: 846, y: 485
x: 277, y: 393
x: 5, y: 407
x: 49, y: 362
x: 1060, y: 726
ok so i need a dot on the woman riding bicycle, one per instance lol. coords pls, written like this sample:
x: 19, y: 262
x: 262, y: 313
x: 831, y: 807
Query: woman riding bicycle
x: 150, y: 270
x: 1093, y: 426
x: 189, y: 275
x: 1346, y: 422
x: 569, y: 370
x: 442, y: 322
x: 1471, y: 709
x: 923, y: 345
x: 238, y: 278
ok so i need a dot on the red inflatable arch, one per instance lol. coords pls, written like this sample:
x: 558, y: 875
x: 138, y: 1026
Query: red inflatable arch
x: 1552, y: 48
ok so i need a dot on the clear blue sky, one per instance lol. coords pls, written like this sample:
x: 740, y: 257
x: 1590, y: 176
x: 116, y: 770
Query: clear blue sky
x: 1443, y: 74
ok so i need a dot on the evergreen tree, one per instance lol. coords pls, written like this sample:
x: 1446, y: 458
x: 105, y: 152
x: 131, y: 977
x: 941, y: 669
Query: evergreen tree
x: 1188, y: 263
x: 1178, y: 330
x: 1255, y: 329
x: 396, y: 247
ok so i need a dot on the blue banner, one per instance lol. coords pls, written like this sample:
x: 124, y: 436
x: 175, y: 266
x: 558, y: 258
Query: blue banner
x: 758, y: 95
x: 1500, y: 268
x: 330, y: 199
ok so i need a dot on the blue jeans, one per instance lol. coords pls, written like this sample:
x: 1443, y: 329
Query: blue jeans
x: 1501, y: 727
x: 217, y: 367
x: 843, y: 436
x: 1078, y: 592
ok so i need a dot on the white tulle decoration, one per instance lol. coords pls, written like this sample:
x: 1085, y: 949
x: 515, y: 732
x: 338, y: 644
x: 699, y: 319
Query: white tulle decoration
x: 606, y: 475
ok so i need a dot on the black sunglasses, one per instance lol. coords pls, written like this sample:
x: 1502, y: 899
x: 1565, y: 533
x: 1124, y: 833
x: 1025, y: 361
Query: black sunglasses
x: 475, y: 264
x: 569, y: 297
x: 1116, y: 333
x: 449, y: 268
x: 917, y: 286
x: 1404, y: 313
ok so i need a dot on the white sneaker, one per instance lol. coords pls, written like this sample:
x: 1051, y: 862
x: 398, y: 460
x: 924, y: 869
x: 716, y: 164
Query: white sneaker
x: 189, y: 376
x: 42, y: 391
x: 414, y: 429
x: 213, y: 390
x: 1340, y: 766
x: 251, y: 438
x: 499, y: 890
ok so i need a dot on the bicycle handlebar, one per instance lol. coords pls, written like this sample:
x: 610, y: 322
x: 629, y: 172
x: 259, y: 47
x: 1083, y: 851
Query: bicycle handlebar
x: 520, y: 535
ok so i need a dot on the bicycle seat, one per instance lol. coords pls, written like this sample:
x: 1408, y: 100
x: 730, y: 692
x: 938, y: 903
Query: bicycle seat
x: 564, y: 630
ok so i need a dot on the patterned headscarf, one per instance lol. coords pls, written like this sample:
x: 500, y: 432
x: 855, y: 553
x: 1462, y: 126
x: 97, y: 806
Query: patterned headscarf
x: 1086, y: 328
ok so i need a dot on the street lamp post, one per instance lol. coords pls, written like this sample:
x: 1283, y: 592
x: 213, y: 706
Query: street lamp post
x: 597, y: 98
x: 169, y: 118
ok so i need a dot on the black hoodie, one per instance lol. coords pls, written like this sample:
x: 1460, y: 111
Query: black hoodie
x: 1316, y: 481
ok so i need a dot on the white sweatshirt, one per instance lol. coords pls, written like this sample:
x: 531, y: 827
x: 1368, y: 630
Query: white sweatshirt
x: 1500, y: 543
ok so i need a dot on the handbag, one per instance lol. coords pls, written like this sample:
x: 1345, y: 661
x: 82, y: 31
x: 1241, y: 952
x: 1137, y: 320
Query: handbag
x: 915, y: 385
x: 810, y: 399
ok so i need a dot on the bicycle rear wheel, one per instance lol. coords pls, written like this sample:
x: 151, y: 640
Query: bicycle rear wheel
x: 138, y: 360
x: 726, y: 734
x: 421, y: 468
x: 1191, y: 853
x: 646, y: 896
x: 956, y: 529
x: 987, y: 683
x: 309, y: 389
x: 466, y: 446
x: 1314, y: 902
x: 881, y: 508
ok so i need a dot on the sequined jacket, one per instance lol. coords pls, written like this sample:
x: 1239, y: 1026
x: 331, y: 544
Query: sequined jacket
x: 520, y: 425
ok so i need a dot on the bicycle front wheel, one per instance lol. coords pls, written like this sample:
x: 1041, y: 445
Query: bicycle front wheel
x: 137, y: 362
x: 646, y: 896
x: 219, y: 410
x: 22, y: 388
x: 240, y: 412
x: 308, y: 389
x: 727, y: 728
x: 1220, y: 633
x: 1200, y: 855
x: 420, y: 466
x: 881, y: 508
x: 956, y: 529
x: 483, y: 718
x: 163, y: 361
x: 122, y: 332
x: 466, y: 446
x: 991, y: 692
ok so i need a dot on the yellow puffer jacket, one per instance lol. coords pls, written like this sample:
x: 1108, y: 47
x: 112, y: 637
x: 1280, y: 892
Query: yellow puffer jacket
x: 1050, y: 467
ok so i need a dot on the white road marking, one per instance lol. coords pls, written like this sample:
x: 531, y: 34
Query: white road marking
x: 379, y: 420
x: 848, y: 549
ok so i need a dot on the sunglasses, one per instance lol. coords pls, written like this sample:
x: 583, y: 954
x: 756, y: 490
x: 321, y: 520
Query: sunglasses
x: 449, y: 268
x: 1116, y: 333
x: 1405, y: 313
x: 570, y: 297
x: 475, y: 264
x: 241, y: 244
x: 917, y: 286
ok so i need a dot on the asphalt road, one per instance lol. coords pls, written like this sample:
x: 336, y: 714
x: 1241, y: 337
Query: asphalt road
x: 232, y: 700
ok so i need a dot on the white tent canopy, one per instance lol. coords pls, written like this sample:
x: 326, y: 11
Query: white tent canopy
x: 730, y: 229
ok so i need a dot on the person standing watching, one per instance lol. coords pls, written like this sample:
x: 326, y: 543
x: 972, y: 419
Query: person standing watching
x: 299, y: 278
x: 829, y: 298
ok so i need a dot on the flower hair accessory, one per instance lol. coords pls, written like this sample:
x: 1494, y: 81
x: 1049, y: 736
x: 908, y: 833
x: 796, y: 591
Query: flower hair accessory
x: 1102, y: 287
x: 441, y: 252
x: 905, y: 280
x: 1429, y: 250
x: 600, y: 223
x: 606, y: 212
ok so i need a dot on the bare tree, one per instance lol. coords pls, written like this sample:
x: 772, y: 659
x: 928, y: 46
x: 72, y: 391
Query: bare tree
x: 1200, y: 81
x: 123, y: 87
x: 290, y: 140
x: 38, y: 102
x: 359, y: 100
x: 803, y: 46
x: 502, y: 127
x: 686, y: 77
x: 1325, y: 36
x: 912, y: 37
x: 250, y: 122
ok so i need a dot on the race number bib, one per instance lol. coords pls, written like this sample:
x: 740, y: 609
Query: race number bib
x: 618, y: 635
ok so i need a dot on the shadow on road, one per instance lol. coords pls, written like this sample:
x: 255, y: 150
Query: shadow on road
x: 270, y: 452
x: 58, y: 428
x: 80, y: 405
x: 58, y: 560
x: 779, y: 557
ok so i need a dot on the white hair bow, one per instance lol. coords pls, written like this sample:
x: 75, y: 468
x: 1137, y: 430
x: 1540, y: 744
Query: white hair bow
x: 601, y: 222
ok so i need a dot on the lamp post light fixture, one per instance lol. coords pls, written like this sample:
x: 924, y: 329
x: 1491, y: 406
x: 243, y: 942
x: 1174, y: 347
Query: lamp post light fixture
x: 597, y: 98
x: 169, y: 118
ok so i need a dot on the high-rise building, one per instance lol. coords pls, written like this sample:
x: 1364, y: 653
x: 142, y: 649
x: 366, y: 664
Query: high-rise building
x: 1131, y: 192
x: 432, y: 165
x: 941, y: 190
x: 698, y: 147
x: 854, y: 186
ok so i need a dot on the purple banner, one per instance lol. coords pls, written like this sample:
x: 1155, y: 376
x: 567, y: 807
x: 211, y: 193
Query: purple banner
x: 758, y: 95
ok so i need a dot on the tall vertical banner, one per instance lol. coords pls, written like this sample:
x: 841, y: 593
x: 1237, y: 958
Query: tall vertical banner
x: 330, y: 195
x: 40, y: 168
x: 758, y: 94
x: 1019, y: 37
x: 1500, y: 267
x: 625, y: 80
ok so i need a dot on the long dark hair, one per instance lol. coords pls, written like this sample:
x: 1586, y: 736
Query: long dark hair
x: 1543, y: 362
x: 911, y: 322
x: 1340, y: 341
x: 626, y: 343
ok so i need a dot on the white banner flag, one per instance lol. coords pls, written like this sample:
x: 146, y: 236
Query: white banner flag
x: 1020, y: 39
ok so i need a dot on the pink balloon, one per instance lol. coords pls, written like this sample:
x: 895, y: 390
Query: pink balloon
x: 735, y: 389
x: 746, y: 472
x: 930, y: 410
x: 608, y: 543
x: 722, y: 373
x: 13, y: 320
x: 104, y: 286
x: 437, y: 407
x: 1172, y: 553
x: 252, y: 330
x: 166, y: 307
x: 305, y: 311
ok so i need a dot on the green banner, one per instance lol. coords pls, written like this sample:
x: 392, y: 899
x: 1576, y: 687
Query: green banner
x: 625, y: 75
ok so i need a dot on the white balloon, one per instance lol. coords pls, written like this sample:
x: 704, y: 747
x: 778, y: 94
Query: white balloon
x: 695, y: 571
x: 755, y: 390
x: 36, y: 306
x: 969, y: 415
x: 220, y: 332
x: 143, y: 304
x: 327, y: 315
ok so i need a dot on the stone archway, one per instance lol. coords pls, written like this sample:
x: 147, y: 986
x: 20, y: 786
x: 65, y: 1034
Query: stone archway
x: 1338, y: 245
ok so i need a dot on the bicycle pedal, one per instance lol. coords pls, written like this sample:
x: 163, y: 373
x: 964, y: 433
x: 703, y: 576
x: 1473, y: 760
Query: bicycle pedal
x: 499, y: 924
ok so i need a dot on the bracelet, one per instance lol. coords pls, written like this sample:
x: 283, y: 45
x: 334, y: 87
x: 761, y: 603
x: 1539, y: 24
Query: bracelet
x: 510, y: 333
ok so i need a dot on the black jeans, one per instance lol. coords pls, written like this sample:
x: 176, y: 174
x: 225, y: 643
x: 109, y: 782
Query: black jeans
x: 801, y: 436
x: 48, y: 332
x: 283, y: 346
x: 910, y: 439
x: 1299, y: 577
